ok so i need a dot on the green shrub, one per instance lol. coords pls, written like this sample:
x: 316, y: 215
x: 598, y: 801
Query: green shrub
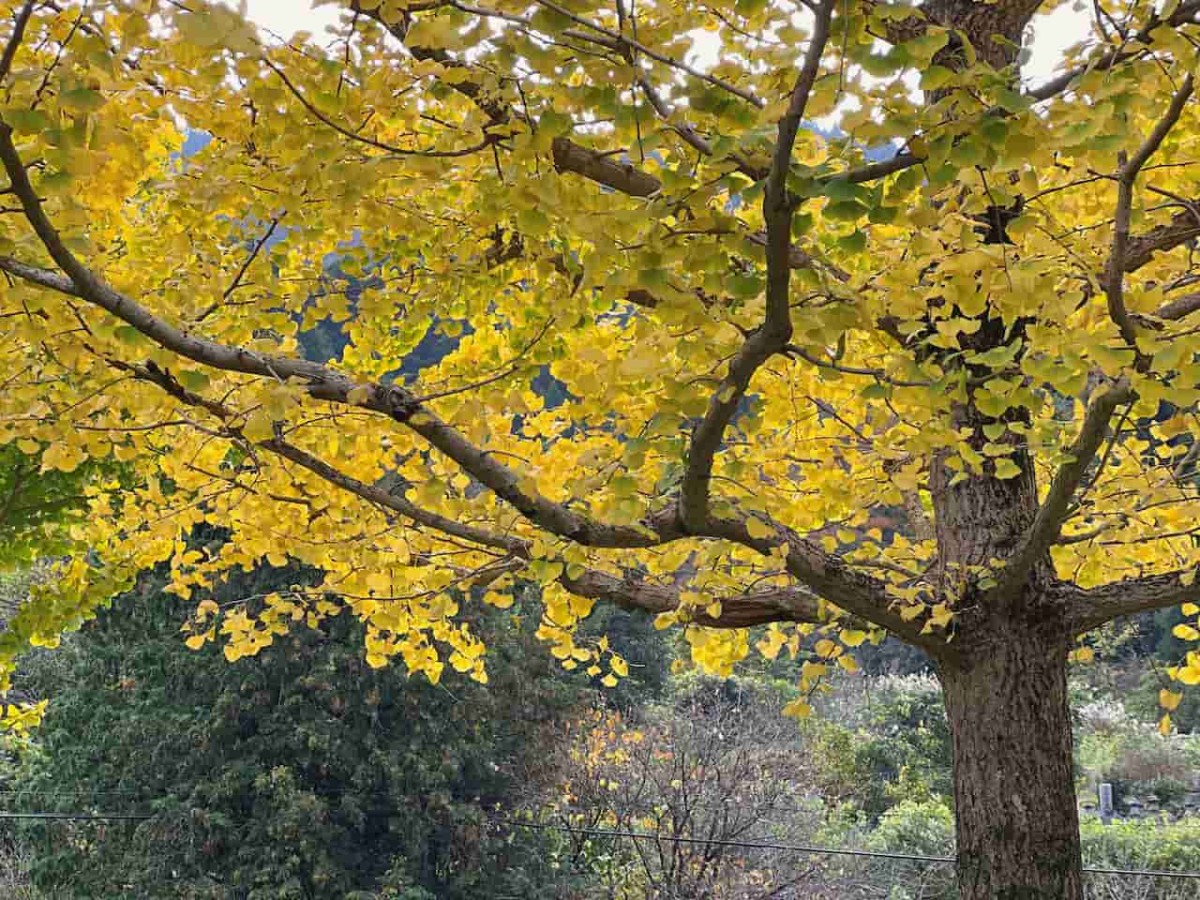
x: 919, y: 827
x: 1141, y: 845
x: 894, y: 745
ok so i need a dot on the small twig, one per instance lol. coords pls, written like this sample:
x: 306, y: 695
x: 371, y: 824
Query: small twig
x: 241, y: 273
x: 369, y: 141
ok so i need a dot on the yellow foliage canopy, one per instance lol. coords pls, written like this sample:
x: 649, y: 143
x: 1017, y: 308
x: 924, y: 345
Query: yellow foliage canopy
x: 798, y: 380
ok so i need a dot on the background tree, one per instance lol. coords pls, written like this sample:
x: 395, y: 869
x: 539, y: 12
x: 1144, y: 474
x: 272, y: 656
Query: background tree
x: 712, y: 766
x: 762, y: 335
x: 37, y: 506
x: 301, y: 772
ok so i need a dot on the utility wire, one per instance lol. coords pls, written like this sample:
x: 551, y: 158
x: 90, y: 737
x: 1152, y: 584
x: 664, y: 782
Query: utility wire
x: 651, y: 836
x: 720, y: 842
x: 75, y: 816
x: 799, y: 848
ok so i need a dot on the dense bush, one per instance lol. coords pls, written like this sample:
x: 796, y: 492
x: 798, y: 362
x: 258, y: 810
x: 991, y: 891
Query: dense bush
x: 715, y: 761
x: 919, y: 827
x: 888, y: 741
x: 1143, y: 846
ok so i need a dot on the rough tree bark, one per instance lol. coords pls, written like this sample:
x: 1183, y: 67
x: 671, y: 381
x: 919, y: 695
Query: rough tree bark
x: 1016, y: 818
x: 1005, y: 685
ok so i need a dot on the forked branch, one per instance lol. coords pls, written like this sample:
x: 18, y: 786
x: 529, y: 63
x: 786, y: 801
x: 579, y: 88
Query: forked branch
x: 772, y: 337
x: 319, y: 381
x: 823, y: 573
x: 790, y: 604
x: 1118, y: 263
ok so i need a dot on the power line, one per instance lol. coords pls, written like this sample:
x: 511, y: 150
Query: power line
x: 651, y: 836
x: 75, y: 816
x: 800, y: 848
x: 720, y: 842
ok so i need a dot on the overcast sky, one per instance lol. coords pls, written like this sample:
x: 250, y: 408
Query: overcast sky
x: 1052, y: 33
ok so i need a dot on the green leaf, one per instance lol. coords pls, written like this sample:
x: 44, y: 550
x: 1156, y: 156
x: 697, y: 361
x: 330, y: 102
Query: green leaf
x: 997, y: 357
x: 922, y: 49
x: 81, y: 100
x: 129, y: 335
x: 1013, y: 101
x: 193, y: 380
x: 855, y: 242
x: 653, y: 279
x: 533, y: 221
x: 27, y: 121
x: 936, y: 77
x: 873, y: 392
x: 844, y: 211
x: 880, y: 65
x: 882, y: 215
x: 843, y: 189
x: 745, y: 287
x: 968, y: 152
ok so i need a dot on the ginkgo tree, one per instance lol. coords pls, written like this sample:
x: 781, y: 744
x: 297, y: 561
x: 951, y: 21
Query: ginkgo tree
x: 973, y: 302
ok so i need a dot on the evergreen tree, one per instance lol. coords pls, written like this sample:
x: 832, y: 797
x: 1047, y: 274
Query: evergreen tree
x: 300, y: 772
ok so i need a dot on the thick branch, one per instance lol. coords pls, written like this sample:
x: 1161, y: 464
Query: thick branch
x: 1111, y: 57
x: 1092, y: 608
x: 325, y: 384
x: 603, y: 169
x: 321, y: 382
x: 1183, y: 227
x: 14, y: 40
x: 776, y: 329
x: 568, y: 155
x: 1179, y: 308
x: 737, y: 611
x: 1047, y: 524
x: 285, y: 449
x: 824, y: 573
x: 831, y: 577
x: 1118, y: 263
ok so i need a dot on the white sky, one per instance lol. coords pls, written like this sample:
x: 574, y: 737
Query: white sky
x: 1053, y: 33
x: 286, y: 17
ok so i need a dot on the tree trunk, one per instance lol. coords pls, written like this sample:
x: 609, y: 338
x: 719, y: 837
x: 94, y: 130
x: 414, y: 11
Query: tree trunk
x: 1016, y: 818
